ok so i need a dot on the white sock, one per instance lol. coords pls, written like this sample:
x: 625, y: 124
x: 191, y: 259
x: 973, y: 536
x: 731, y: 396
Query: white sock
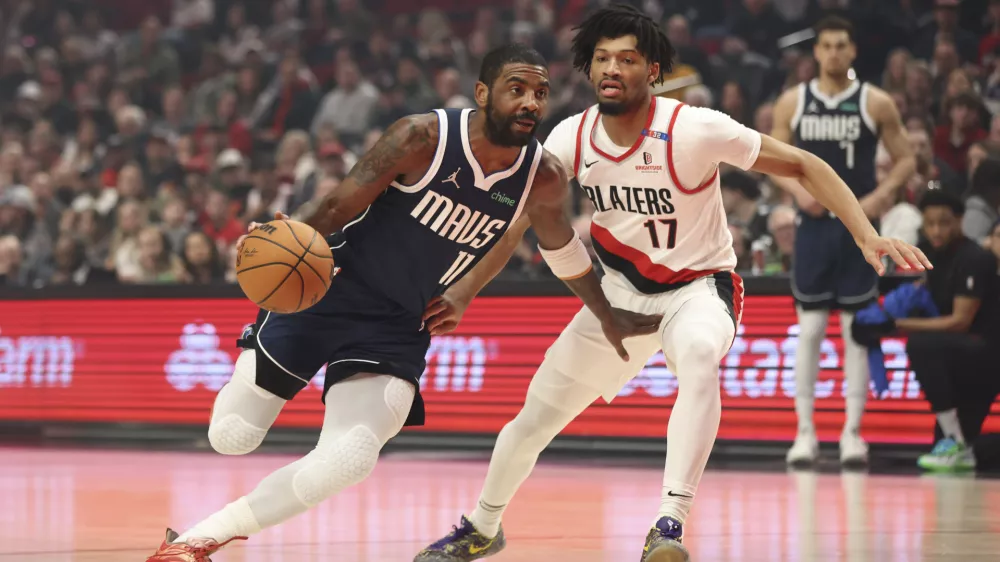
x: 523, y: 439
x: 234, y: 520
x: 812, y: 329
x: 694, y: 341
x: 950, y: 426
x: 676, y: 500
x: 856, y: 373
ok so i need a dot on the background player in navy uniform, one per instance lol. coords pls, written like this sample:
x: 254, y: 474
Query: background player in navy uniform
x: 841, y: 120
x: 416, y: 212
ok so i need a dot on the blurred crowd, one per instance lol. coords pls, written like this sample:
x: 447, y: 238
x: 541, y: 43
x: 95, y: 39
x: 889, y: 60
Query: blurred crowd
x: 137, y: 139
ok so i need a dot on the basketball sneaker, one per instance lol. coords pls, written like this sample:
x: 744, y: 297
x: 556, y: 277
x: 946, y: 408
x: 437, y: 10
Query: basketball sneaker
x: 805, y: 450
x: 948, y: 455
x: 853, y: 449
x: 170, y: 551
x: 463, y: 544
x: 663, y: 543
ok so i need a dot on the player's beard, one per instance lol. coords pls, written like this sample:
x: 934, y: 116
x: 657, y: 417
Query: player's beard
x: 499, y: 129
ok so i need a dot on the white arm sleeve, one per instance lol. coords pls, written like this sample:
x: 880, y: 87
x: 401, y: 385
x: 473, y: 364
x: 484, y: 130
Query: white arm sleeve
x: 704, y: 138
x: 562, y: 143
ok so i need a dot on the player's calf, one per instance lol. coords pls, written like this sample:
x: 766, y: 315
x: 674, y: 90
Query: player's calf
x: 243, y: 412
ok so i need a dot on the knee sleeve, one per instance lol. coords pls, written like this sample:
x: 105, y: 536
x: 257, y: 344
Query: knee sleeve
x: 399, y: 396
x: 332, y: 467
x: 243, y: 412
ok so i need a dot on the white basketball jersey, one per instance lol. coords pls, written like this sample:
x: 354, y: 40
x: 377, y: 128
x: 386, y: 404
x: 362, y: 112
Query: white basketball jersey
x: 654, y: 227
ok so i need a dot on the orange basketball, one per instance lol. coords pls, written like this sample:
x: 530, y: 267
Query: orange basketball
x: 284, y: 266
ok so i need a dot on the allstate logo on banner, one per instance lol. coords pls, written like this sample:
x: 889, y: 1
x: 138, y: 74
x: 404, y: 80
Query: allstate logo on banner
x: 38, y: 361
x: 199, y: 361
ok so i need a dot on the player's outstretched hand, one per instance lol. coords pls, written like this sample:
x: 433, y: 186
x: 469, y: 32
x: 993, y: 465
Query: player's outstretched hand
x: 626, y: 324
x: 278, y: 216
x: 443, y: 314
x: 907, y: 257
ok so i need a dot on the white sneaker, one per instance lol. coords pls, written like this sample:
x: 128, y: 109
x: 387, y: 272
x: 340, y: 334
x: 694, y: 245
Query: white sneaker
x: 853, y: 449
x: 805, y: 450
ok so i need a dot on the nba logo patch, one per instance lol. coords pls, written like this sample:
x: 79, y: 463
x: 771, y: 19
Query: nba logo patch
x: 647, y: 158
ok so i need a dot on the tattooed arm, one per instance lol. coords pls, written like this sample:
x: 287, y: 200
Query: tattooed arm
x: 405, y: 150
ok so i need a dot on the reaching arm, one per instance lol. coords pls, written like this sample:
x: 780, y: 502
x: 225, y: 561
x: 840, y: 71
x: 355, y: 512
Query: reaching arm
x: 407, y: 146
x: 466, y: 288
x: 568, y: 258
x: 893, y: 136
x: 819, y: 179
x: 784, y: 110
x: 960, y: 320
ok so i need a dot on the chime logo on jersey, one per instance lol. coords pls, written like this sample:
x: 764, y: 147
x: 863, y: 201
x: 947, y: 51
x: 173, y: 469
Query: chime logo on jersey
x: 456, y: 221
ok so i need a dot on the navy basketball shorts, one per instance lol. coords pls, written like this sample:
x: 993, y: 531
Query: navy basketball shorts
x: 828, y: 269
x: 353, y: 329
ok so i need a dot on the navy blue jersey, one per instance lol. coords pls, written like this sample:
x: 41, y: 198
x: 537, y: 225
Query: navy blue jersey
x: 840, y: 131
x: 416, y: 240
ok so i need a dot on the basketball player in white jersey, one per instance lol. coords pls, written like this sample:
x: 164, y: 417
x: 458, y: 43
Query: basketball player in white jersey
x: 650, y: 165
x: 842, y: 121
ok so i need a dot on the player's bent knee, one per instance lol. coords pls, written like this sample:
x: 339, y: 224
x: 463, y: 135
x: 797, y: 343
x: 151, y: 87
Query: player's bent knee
x: 243, y: 412
x: 698, y: 359
x: 399, y: 395
x: 232, y: 435
x: 347, y: 461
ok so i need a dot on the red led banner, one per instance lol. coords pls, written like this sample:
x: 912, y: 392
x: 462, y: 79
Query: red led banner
x: 161, y: 361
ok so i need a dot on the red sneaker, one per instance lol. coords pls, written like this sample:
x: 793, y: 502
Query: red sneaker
x: 170, y: 551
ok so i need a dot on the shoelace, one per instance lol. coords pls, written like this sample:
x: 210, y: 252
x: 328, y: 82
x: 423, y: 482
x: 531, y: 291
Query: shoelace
x: 457, y: 533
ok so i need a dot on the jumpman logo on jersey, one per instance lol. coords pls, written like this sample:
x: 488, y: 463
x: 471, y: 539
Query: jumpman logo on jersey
x: 813, y: 108
x: 453, y: 179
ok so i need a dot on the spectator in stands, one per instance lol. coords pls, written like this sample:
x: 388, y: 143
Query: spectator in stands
x: 740, y: 198
x: 350, y: 107
x: 982, y: 206
x: 951, y: 355
x: 962, y: 128
x: 200, y: 257
x: 417, y: 94
x: 894, y: 77
x: 757, y: 23
x: 12, y: 272
x: 734, y: 102
x: 71, y: 266
x: 772, y: 253
x: 919, y: 88
x: 936, y: 170
x: 904, y: 220
x: 448, y: 85
x: 147, y: 63
x: 946, y: 28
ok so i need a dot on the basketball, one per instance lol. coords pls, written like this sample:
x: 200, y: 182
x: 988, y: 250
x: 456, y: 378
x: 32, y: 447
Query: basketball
x: 284, y: 266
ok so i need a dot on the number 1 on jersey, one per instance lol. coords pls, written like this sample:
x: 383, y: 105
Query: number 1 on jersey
x: 849, y: 147
x: 463, y: 261
x: 671, y: 232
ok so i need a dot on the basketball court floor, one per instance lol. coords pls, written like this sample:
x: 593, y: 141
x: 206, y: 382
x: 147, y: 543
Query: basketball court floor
x: 112, y: 506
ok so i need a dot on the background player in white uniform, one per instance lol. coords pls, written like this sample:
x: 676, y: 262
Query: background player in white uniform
x: 651, y: 167
x: 840, y: 120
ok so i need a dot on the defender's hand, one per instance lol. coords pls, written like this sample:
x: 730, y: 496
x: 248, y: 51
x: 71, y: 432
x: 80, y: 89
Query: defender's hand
x: 625, y: 324
x: 278, y: 216
x: 906, y: 256
x: 443, y: 314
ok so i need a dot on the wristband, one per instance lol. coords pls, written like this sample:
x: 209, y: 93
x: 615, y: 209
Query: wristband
x: 569, y: 262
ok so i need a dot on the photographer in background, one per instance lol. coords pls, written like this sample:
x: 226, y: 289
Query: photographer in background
x: 951, y: 354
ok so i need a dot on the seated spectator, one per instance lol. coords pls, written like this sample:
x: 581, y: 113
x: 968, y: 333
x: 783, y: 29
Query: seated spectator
x: 740, y: 199
x: 903, y: 220
x: 155, y: 260
x: 951, y: 355
x: 12, y: 270
x: 72, y: 266
x: 201, y: 260
x: 982, y: 206
x: 772, y: 253
x: 953, y: 139
x: 992, y: 242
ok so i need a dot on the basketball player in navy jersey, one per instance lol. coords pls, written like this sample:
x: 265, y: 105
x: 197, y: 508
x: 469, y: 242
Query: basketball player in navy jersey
x: 415, y: 214
x: 841, y: 120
